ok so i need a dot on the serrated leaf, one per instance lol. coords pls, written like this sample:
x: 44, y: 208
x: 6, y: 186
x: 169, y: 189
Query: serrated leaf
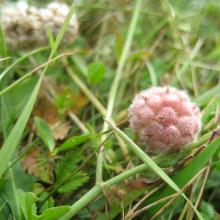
x: 73, y: 141
x: 65, y: 173
x: 45, y: 133
x: 77, y: 180
x: 66, y: 165
x: 96, y: 72
x: 27, y: 204
x: 54, y: 213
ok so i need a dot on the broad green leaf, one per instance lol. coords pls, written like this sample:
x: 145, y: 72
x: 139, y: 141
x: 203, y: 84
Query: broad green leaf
x: 73, y: 141
x: 12, y: 103
x: 96, y: 72
x: 28, y: 205
x: 45, y: 133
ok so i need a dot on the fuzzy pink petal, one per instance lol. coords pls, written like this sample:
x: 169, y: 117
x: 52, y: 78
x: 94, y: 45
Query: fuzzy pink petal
x: 164, y: 118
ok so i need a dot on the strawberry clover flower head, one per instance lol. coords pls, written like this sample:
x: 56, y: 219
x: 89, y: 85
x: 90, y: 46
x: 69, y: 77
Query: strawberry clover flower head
x: 165, y: 119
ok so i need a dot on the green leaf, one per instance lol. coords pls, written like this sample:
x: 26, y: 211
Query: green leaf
x: 208, y: 211
x: 64, y: 101
x: 54, y: 213
x: 29, y: 209
x: 15, y: 135
x: 67, y: 176
x: 96, y: 72
x: 12, y: 103
x: 66, y: 165
x: 9, y: 193
x: 80, y: 63
x: 45, y: 133
x: 73, y: 141
x: 27, y: 204
x: 76, y: 181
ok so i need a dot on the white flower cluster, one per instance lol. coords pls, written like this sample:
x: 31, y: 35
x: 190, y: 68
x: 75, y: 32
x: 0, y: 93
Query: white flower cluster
x: 27, y: 26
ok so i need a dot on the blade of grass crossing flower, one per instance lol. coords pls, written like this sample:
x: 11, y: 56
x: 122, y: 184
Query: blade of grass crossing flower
x: 145, y: 158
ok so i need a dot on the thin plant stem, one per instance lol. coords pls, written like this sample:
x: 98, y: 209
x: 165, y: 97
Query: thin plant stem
x: 29, y: 74
x: 115, y: 85
x: 177, y: 194
x: 145, y: 158
x: 78, y: 122
x: 97, y: 190
x: 92, y: 98
x: 21, y: 59
x: 202, y: 187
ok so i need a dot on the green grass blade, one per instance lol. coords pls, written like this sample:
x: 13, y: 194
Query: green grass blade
x: 205, y: 98
x: 146, y: 159
x: 182, y: 177
x: 15, y: 135
x: 62, y: 30
x: 3, y: 49
x: 20, y: 60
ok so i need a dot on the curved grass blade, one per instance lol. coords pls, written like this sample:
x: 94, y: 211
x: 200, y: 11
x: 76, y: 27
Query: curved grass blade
x: 182, y: 177
x: 21, y: 59
x: 145, y: 158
